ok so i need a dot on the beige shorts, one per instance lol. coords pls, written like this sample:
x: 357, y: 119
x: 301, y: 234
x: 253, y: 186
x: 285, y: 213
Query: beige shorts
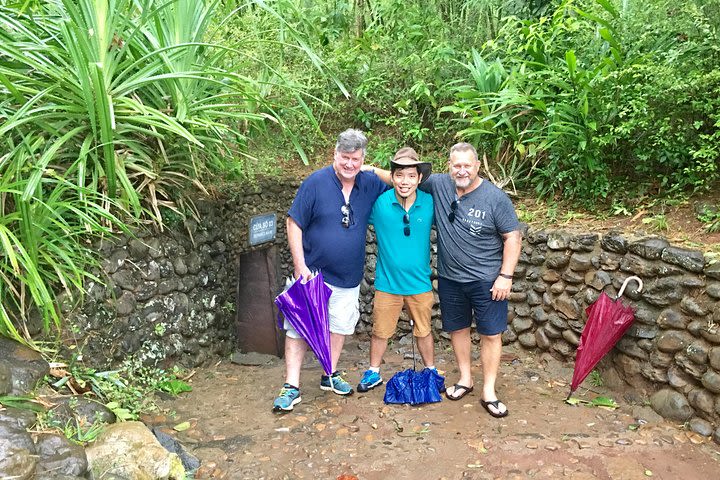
x: 387, y: 308
x: 343, y: 310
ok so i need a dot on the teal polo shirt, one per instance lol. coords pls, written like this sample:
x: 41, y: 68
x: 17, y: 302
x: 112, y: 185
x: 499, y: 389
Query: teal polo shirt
x: 403, y: 263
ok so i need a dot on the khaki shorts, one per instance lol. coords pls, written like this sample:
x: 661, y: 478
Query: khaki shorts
x: 343, y: 311
x: 387, y: 308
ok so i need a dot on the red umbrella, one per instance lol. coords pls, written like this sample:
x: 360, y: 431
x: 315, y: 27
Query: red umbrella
x: 607, y: 322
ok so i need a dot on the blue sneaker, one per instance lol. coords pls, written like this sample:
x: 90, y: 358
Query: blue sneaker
x: 287, y: 399
x: 369, y: 381
x: 336, y: 383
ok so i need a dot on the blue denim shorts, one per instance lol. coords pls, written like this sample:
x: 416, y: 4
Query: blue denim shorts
x: 459, y: 300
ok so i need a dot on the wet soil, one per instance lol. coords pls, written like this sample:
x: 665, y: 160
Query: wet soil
x: 236, y: 435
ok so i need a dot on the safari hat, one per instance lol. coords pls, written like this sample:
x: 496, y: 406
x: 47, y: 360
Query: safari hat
x: 408, y: 157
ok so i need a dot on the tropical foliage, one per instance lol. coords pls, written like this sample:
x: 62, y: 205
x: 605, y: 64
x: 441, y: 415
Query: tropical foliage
x: 108, y: 110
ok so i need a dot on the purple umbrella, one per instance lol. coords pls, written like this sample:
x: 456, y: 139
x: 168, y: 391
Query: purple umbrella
x: 305, y: 306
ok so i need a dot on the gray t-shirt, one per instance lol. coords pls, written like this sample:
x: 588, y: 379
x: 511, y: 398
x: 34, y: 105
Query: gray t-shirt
x: 471, y: 247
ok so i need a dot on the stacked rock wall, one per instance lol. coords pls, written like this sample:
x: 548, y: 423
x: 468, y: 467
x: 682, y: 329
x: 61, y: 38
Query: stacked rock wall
x: 171, y: 296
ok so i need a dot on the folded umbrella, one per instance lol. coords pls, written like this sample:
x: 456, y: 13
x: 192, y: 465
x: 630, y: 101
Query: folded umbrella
x: 304, y: 304
x: 607, y: 322
x: 415, y: 388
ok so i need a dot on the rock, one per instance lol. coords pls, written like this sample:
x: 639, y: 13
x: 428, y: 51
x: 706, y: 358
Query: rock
x: 571, y: 337
x: 584, y: 242
x: 716, y: 435
x: 567, y: 306
x: 509, y: 336
x: 521, y: 324
x: 663, y: 292
x: 558, y: 260
x: 137, y: 248
x: 551, y: 276
x: 557, y: 287
x: 538, y: 315
x: 16, y: 463
x: 697, y: 352
x: 700, y: 426
x: 670, y: 318
x: 711, y: 381
x: 130, y: 450
x: 527, y: 340
x: 645, y: 314
x: 714, y: 358
x: 609, y: 261
x: 691, y: 260
x: 558, y: 240
x: 640, y: 330
x: 702, y: 400
x: 671, y: 404
x: 673, y: 341
x: 713, y: 289
x: 689, y: 366
x: 691, y: 306
x: 563, y: 348
x: 638, y: 266
x: 84, y: 409
x: 650, y: 248
x: 60, y: 456
x: 25, y: 366
x: 126, y: 303
x: 713, y: 270
x: 541, y: 339
x: 573, y: 278
x: 646, y: 414
x: 657, y: 358
x: 614, y: 242
x: 580, y: 262
x: 5, y: 379
x: 630, y: 347
x: 598, y: 279
x: 710, y: 333
x: 537, y: 236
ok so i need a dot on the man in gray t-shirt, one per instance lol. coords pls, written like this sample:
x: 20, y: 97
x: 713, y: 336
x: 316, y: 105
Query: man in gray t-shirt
x: 479, y: 244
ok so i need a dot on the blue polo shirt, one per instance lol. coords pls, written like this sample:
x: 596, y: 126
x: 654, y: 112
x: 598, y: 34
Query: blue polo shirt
x: 336, y: 251
x: 403, y: 265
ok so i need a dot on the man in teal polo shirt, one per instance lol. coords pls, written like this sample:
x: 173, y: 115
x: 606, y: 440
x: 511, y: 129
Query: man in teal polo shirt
x: 402, y: 218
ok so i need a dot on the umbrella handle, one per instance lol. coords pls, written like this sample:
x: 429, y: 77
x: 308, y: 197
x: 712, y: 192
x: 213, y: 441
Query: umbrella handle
x: 412, y: 336
x: 637, y: 279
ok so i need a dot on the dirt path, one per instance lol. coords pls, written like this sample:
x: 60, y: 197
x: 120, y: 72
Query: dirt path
x: 235, y: 434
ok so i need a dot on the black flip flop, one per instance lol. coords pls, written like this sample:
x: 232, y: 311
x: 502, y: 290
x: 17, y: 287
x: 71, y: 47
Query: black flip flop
x: 457, y: 386
x: 496, y: 405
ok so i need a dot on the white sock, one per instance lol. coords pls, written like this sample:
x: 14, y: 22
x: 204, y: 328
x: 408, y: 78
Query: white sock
x: 431, y: 367
x: 374, y: 369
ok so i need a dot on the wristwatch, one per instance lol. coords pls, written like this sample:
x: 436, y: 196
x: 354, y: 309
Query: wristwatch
x: 505, y: 275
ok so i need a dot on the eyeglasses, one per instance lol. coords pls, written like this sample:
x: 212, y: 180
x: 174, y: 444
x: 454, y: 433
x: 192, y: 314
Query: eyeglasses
x: 406, y: 221
x: 453, y: 207
x: 347, y: 212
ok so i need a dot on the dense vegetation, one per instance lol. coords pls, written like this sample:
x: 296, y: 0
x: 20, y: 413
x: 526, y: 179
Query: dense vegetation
x: 110, y: 110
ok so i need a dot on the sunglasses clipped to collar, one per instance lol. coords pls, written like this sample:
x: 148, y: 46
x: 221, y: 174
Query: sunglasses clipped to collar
x: 453, y: 208
x: 406, y: 222
x: 347, y: 218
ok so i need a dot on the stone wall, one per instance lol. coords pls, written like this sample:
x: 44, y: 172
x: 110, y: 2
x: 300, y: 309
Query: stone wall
x: 170, y: 297
x: 675, y: 340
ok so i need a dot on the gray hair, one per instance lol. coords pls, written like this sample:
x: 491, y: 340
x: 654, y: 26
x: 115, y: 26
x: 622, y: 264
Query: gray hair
x: 464, y: 147
x: 351, y: 140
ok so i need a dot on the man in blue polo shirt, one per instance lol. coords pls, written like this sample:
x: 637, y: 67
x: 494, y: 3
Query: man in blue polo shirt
x: 326, y: 229
x: 402, y: 218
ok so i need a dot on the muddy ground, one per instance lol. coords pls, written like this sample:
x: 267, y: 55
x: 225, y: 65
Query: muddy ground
x: 236, y: 435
